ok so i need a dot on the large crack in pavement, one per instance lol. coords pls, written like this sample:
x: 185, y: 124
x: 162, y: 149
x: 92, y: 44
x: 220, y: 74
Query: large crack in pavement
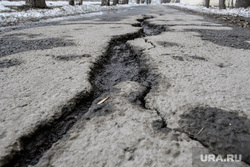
x: 217, y: 130
x: 220, y: 131
x: 121, y: 62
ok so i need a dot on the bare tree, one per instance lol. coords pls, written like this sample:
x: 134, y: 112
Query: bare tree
x: 206, y: 4
x: 222, y: 4
x: 115, y: 2
x: 242, y: 3
x: 164, y: 1
x: 232, y: 4
x: 80, y: 2
x: 105, y: 3
x: 124, y: 1
x: 71, y: 2
x: 36, y: 3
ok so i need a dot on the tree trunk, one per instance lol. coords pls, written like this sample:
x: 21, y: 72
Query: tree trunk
x: 80, y: 2
x: 115, y: 2
x: 232, y: 3
x: 138, y: 1
x: 222, y: 4
x: 207, y: 3
x: 124, y: 1
x: 105, y: 3
x: 71, y: 2
x: 242, y: 3
x: 36, y: 3
x: 165, y: 1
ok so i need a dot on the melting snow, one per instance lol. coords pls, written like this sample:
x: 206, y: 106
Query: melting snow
x: 215, y: 10
x: 58, y: 9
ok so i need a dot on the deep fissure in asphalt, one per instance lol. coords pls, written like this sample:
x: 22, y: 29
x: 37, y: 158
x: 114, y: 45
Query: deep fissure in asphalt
x: 121, y: 62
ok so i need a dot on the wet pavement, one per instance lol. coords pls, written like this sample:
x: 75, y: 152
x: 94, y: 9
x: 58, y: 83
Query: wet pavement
x: 171, y: 81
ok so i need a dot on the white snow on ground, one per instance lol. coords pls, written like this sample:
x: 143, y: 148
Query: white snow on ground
x: 215, y: 10
x: 10, y: 3
x: 58, y: 9
x: 3, y: 8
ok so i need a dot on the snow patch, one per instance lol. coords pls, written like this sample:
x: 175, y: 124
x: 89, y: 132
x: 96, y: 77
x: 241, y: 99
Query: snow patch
x: 58, y: 9
x: 3, y: 8
x: 244, y: 12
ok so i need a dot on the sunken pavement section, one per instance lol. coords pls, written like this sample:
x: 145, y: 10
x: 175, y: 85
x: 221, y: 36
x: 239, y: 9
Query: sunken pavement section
x: 172, y: 82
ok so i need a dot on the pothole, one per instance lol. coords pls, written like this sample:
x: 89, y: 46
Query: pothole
x: 121, y: 62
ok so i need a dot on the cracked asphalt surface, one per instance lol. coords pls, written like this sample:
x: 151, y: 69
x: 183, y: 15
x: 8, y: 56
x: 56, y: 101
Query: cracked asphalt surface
x: 200, y: 68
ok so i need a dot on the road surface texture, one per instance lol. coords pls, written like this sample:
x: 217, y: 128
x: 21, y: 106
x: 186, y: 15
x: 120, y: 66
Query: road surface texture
x: 171, y: 82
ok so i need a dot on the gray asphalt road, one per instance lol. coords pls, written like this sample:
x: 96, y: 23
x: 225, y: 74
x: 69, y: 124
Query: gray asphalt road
x: 147, y: 86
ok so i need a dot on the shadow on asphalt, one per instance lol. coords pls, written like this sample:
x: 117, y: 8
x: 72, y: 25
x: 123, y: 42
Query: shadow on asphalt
x: 11, y: 44
x: 230, y: 38
x: 222, y: 132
